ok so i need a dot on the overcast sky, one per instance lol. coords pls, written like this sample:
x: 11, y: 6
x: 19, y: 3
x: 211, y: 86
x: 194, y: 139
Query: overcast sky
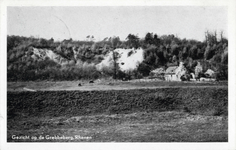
x: 78, y: 22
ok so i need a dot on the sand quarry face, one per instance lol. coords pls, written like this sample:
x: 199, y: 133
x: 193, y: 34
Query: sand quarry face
x: 128, y: 59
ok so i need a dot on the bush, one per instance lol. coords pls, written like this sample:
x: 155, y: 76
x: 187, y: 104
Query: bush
x: 144, y: 69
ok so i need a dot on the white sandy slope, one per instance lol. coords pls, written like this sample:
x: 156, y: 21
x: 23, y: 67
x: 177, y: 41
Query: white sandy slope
x: 125, y: 62
x: 43, y: 53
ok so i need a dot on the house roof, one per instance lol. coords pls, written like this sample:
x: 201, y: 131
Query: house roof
x: 158, y: 71
x: 171, y: 70
x: 210, y: 72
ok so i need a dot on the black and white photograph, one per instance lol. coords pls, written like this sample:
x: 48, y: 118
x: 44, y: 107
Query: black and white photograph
x: 118, y: 74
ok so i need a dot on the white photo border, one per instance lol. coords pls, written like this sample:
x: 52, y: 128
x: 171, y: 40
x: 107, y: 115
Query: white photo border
x: 230, y: 145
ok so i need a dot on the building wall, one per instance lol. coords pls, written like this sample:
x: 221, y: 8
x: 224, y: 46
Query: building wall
x: 172, y: 77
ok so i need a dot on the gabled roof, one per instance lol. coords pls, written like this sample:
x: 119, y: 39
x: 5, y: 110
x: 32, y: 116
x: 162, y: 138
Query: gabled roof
x: 171, y: 70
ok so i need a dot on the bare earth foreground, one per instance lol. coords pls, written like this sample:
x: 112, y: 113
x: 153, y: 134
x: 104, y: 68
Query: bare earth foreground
x: 134, y: 111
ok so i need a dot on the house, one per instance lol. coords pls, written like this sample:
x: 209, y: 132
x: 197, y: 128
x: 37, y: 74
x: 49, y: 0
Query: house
x: 170, y: 74
x: 209, y: 73
x: 174, y: 73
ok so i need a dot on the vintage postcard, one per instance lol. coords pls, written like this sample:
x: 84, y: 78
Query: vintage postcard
x: 104, y: 75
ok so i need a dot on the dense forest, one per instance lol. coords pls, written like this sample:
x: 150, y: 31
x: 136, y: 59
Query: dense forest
x: 78, y: 59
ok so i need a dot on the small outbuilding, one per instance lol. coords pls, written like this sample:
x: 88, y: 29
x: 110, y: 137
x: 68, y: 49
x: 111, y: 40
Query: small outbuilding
x: 157, y: 73
x: 209, y: 73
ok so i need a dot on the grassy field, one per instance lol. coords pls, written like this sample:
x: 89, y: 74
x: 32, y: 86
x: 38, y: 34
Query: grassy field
x: 106, y: 85
x: 169, y: 126
x: 166, y: 114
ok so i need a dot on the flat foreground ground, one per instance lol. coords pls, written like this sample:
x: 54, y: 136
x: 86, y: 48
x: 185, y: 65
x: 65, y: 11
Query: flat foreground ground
x: 135, y: 126
x: 107, y: 85
x: 169, y: 126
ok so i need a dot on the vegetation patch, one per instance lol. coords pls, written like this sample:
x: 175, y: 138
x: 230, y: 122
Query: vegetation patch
x: 208, y: 101
x: 195, y: 114
x: 31, y: 59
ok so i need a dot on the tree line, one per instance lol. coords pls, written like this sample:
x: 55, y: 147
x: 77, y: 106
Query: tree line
x: 159, y: 51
